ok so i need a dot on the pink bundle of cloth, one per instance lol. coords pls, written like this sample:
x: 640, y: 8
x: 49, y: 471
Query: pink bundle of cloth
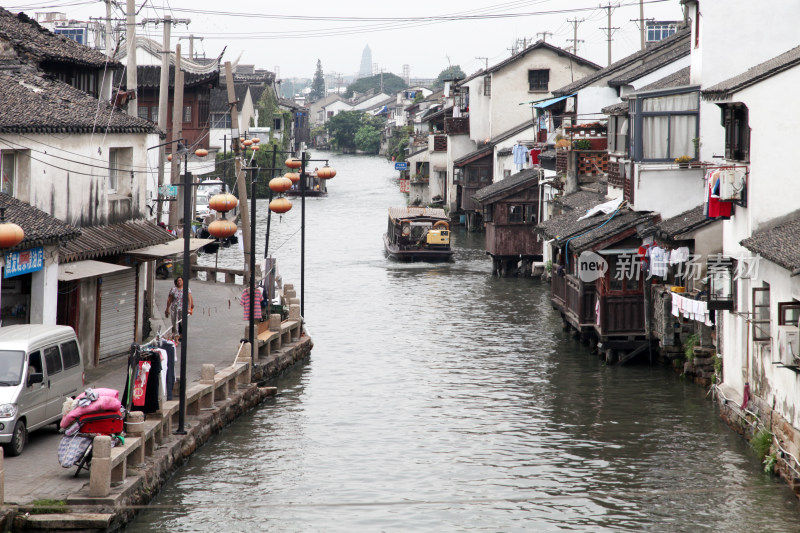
x: 91, y: 401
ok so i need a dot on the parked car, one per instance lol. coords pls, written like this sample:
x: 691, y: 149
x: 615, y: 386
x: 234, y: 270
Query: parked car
x: 40, y: 366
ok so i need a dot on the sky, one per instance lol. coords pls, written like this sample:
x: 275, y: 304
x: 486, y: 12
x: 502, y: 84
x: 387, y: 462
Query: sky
x: 290, y: 37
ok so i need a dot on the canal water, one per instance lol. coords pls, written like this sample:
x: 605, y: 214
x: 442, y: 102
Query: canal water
x: 439, y: 398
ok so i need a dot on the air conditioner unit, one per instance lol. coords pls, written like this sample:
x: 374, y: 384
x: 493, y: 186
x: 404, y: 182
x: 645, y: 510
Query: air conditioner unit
x: 789, y: 345
x: 731, y: 184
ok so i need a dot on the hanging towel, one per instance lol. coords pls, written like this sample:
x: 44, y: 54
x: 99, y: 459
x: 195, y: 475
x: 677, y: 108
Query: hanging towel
x: 675, y: 310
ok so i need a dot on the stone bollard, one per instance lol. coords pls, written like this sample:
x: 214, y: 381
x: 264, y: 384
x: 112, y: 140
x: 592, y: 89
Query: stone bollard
x: 207, y: 373
x: 100, y: 473
x: 288, y: 295
x: 294, y: 312
x: 134, y: 427
x: 294, y: 301
x: 288, y: 287
x: 274, y: 322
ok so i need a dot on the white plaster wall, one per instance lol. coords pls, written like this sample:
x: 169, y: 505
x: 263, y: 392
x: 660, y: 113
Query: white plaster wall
x: 68, y: 179
x: 336, y: 107
x: 457, y: 147
x: 439, y: 159
x: 767, y: 380
x: 667, y: 189
x: 663, y: 72
x: 502, y: 163
x: 479, y: 110
x: 592, y: 100
x: 44, y: 289
x: 510, y: 86
x: 731, y: 41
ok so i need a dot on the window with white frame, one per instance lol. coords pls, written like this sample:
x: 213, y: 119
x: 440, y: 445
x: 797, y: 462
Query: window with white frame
x: 658, y: 31
x: 665, y: 126
x: 618, y: 134
x: 113, y: 169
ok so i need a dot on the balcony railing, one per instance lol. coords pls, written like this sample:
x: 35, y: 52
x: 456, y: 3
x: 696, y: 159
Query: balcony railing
x: 456, y: 126
x: 440, y: 143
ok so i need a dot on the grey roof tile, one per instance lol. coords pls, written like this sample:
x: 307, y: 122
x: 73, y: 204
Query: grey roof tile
x: 753, y: 75
x: 39, y: 227
x: 33, y: 42
x: 35, y: 104
x: 112, y: 239
x: 779, y: 244
x: 498, y: 188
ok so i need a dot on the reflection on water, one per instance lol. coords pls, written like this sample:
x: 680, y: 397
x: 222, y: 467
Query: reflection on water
x: 439, y: 398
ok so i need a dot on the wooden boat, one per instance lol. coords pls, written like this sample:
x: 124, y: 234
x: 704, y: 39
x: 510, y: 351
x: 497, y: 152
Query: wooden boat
x: 314, y: 187
x: 418, y: 234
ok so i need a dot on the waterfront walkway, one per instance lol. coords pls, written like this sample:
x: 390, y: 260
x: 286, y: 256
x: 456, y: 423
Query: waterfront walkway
x: 215, y: 330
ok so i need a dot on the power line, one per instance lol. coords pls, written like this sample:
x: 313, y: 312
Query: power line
x: 575, y: 22
x: 609, y: 29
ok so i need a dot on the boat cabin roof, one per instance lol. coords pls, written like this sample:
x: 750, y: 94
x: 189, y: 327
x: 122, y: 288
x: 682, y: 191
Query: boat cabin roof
x: 397, y: 213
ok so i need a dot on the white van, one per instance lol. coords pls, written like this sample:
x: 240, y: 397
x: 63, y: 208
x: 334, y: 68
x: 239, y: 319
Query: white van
x: 39, y: 367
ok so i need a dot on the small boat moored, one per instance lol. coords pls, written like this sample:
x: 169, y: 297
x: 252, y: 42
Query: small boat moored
x: 418, y: 234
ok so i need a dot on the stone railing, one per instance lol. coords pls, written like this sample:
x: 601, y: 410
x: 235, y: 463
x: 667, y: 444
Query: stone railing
x: 144, y: 434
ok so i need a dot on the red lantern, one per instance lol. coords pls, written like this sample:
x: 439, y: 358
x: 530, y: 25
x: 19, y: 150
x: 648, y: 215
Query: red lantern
x: 254, y: 148
x: 293, y: 162
x: 201, y: 152
x: 294, y: 177
x: 248, y: 142
x: 11, y: 235
x: 256, y: 140
x: 169, y: 157
x: 326, y: 173
x: 280, y: 205
x: 223, y: 202
x: 222, y: 229
x: 280, y: 184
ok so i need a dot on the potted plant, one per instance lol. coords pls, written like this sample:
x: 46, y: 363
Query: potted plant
x: 683, y: 161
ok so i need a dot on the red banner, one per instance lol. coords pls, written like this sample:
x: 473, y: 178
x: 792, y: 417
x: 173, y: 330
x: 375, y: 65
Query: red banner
x: 405, y: 185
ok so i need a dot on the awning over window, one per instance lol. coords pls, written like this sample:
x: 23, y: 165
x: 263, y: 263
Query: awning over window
x: 169, y: 248
x: 548, y: 103
x: 86, y: 269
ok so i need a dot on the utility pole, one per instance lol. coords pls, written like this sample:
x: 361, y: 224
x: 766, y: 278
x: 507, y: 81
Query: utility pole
x: 485, y: 62
x: 163, y: 102
x: 241, y: 186
x: 109, y: 31
x: 641, y: 21
x: 177, y: 133
x: 544, y: 35
x: 609, y: 30
x: 575, y: 39
x: 130, y: 35
x: 191, y: 39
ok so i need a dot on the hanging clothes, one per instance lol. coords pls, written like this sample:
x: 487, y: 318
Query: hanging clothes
x: 169, y: 347
x: 658, y: 261
x: 715, y: 208
x: 245, y: 301
x: 143, y: 388
x: 519, y: 152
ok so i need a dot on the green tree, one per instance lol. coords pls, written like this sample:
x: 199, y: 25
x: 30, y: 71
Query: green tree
x: 368, y: 139
x: 342, y: 129
x: 449, y: 73
x: 391, y: 84
x: 318, y: 85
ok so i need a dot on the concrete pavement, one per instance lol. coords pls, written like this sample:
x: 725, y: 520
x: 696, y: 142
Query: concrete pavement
x: 215, y: 330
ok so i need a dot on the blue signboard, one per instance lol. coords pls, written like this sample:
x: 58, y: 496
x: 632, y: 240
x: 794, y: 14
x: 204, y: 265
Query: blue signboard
x: 401, y: 166
x: 24, y: 262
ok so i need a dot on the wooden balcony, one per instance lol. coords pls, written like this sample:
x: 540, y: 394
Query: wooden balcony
x: 440, y: 143
x: 456, y: 126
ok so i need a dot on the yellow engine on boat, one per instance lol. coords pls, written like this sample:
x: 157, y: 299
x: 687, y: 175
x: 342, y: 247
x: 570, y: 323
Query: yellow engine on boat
x: 438, y: 236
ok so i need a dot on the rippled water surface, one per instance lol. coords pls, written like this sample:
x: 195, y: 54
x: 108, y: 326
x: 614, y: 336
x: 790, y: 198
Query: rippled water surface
x: 439, y: 398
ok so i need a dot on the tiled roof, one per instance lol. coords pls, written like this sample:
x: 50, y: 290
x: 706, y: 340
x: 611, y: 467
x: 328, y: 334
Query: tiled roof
x: 149, y: 77
x: 480, y: 153
x: 99, y: 241
x: 528, y: 124
x: 779, y: 244
x: 219, y: 98
x: 519, y: 55
x: 632, y: 60
x: 680, y: 78
x: 723, y: 90
x: 624, y: 220
x: 34, y: 104
x: 33, y: 42
x: 683, y: 50
x: 620, y: 108
x: 580, y: 201
x: 679, y: 224
x: 39, y: 227
x: 529, y: 175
